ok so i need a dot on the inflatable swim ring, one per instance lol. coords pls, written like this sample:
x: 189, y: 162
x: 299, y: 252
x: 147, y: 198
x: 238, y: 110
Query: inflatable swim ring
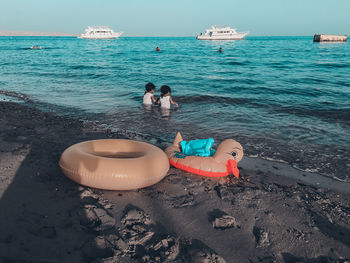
x: 114, y: 164
x: 224, y: 162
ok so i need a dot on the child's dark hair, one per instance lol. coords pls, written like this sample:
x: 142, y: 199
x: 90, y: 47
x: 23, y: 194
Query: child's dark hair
x: 149, y: 87
x: 164, y: 90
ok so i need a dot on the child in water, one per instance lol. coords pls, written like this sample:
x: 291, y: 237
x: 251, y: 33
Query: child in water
x: 148, y: 97
x: 165, y: 99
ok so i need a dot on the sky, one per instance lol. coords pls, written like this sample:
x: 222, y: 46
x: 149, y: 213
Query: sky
x: 178, y: 17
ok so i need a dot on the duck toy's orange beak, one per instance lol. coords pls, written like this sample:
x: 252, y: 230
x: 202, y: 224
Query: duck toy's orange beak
x: 232, y: 166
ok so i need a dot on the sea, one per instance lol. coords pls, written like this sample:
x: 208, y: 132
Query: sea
x: 283, y: 98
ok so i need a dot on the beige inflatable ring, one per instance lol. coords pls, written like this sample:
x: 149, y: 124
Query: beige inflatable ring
x: 114, y: 164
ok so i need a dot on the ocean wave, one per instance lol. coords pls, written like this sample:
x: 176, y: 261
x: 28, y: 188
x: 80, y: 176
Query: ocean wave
x: 342, y: 83
x: 17, y: 95
x: 236, y: 63
x: 207, y: 99
x: 238, y: 80
x: 317, y: 81
x: 332, y: 65
x: 334, y: 115
x: 36, y: 49
x: 341, y: 115
x: 63, y: 75
x: 280, y: 65
x: 82, y: 67
x: 213, y: 99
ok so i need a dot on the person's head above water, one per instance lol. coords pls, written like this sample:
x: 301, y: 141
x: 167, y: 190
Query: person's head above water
x: 150, y: 87
x: 220, y: 50
x: 157, y: 49
x: 165, y: 90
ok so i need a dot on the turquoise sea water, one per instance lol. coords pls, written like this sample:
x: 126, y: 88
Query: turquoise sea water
x: 284, y: 98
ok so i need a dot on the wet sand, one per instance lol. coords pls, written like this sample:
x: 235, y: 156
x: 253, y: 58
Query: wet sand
x: 273, y: 213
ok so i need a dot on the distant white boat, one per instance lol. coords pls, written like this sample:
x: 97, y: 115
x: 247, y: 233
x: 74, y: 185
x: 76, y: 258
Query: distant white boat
x: 36, y: 47
x: 100, y: 32
x: 222, y: 33
x: 330, y: 38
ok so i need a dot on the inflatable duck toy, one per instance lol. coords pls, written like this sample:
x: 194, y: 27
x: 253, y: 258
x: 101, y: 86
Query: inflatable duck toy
x: 222, y: 163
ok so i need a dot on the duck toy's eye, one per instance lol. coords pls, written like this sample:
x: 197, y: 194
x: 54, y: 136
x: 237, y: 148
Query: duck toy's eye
x: 234, y: 154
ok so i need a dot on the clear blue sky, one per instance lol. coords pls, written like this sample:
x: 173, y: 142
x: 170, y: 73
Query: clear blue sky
x: 178, y: 17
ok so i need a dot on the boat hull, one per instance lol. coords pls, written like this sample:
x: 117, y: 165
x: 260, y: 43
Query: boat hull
x: 233, y: 37
x: 115, y: 36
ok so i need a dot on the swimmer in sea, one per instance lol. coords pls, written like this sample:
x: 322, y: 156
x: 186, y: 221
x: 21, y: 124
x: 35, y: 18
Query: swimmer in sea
x: 36, y: 47
x: 220, y: 50
x: 157, y: 49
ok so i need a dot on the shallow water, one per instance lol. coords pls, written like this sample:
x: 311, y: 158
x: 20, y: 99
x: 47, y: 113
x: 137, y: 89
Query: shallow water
x: 284, y: 98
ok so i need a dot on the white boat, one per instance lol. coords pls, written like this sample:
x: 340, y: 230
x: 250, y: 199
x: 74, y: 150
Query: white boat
x: 100, y: 32
x: 222, y: 33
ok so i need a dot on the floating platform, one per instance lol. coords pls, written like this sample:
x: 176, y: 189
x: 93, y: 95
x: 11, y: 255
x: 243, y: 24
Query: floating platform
x: 330, y: 38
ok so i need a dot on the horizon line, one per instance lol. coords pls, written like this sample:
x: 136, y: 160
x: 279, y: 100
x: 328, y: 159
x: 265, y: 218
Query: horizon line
x: 10, y: 33
x: 145, y: 36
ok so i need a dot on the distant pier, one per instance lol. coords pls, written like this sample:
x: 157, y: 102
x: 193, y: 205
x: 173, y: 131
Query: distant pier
x: 330, y: 38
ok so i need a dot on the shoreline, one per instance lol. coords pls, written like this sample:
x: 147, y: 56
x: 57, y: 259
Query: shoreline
x: 270, y: 214
x: 248, y: 162
x: 286, y: 170
x: 313, y: 158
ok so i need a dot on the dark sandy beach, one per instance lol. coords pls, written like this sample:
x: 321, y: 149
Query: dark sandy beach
x: 272, y: 213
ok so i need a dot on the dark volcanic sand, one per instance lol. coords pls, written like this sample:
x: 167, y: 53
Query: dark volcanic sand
x: 262, y: 217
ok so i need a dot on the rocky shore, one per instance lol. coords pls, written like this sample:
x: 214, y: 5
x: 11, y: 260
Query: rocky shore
x: 264, y: 216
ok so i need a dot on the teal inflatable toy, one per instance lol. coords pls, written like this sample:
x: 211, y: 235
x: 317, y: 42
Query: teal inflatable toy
x: 200, y: 147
